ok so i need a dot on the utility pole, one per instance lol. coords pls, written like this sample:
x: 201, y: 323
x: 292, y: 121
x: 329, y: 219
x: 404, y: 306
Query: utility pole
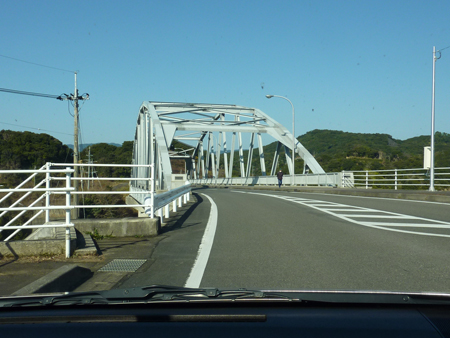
x: 75, y: 147
x: 75, y: 97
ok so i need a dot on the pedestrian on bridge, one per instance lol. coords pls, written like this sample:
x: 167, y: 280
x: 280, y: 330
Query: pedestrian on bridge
x: 280, y: 178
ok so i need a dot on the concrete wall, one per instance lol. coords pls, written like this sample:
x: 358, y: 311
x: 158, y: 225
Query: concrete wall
x: 123, y: 227
x: 47, y: 247
x: 51, y: 241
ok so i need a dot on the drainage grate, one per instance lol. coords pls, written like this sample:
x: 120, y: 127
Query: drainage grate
x: 123, y: 265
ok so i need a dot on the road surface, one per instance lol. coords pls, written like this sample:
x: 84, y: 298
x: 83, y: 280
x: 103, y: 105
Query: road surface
x: 289, y: 240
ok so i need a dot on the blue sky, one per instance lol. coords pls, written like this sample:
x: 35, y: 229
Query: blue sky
x: 356, y: 66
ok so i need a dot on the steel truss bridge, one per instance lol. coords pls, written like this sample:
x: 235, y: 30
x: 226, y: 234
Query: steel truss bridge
x: 209, y: 128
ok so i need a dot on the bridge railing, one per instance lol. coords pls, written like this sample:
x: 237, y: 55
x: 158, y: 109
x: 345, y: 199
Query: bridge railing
x: 398, y: 178
x: 368, y: 179
x: 33, y: 195
x: 30, y: 192
x: 152, y: 201
x: 325, y: 179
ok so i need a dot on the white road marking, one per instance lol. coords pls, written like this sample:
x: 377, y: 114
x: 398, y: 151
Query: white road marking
x: 377, y: 198
x: 333, y: 209
x: 412, y: 225
x: 204, y: 250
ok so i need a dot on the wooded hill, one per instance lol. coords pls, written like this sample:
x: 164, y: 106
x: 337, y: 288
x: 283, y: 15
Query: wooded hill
x: 334, y: 150
x: 337, y: 150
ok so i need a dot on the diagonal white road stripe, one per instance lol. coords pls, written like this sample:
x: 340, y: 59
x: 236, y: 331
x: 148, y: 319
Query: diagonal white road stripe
x: 379, y: 214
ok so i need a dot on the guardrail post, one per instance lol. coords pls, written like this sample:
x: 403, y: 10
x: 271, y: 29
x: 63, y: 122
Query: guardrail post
x: 180, y: 202
x: 367, y: 179
x: 68, y: 212
x: 160, y: 214
x: 166, y: 211
x: 395, y: 179
x: 174, y: 205
x: 47, y: 193
x: 152, y: 191
x: 343, y: 179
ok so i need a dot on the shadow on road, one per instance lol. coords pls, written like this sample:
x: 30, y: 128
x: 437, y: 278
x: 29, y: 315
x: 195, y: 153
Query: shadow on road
x: 178, y: 221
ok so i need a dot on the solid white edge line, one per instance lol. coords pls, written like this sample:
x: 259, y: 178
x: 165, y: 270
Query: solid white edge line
x: 198, y: 269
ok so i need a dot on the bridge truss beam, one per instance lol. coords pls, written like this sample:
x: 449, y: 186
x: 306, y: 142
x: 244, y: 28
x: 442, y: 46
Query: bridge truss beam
x: 160, y: 123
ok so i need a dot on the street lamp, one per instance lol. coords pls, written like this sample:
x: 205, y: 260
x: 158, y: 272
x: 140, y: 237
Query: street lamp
x: 293, y: 134
x: 432, y: 121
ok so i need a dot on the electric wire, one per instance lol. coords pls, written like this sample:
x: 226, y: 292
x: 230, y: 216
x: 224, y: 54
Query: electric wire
x: 442, y: 49
x: 68, y: 109
x: 21, y: 92
x: 37, y: 64
x: 82, y: 104
x: 40, y: 129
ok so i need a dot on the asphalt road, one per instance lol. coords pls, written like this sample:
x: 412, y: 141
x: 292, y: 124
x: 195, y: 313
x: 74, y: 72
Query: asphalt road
x: 289, y: 240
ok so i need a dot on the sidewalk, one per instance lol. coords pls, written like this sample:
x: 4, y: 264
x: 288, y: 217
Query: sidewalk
x: 19, y: 274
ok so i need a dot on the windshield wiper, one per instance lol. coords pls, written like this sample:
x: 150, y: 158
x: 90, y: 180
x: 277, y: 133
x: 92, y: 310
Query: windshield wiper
x: 142, y: 294
x: 163, y: 293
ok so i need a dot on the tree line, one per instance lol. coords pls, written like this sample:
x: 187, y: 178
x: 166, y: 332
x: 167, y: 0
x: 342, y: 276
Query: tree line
x: 334, y: 150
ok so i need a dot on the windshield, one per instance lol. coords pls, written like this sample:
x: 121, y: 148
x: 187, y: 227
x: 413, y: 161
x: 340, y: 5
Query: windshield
x: 151, y: 143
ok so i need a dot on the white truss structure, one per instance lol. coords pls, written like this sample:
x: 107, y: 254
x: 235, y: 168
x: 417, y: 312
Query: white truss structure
x: 209, y: 127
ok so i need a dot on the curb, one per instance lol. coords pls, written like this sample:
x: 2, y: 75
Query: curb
x: 65, y: 278
x: 87, y: 246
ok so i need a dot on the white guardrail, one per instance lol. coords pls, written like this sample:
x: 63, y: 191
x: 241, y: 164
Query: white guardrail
x: 35, y: 191
x: 325, y: 179
x: 159, y: 204
x: 397, y: 178
x: 394, y: 178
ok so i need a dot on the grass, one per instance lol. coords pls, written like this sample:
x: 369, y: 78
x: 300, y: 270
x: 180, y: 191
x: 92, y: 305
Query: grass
x: 97, y: 236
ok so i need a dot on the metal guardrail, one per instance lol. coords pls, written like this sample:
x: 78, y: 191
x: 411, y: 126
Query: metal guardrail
x: 397, y: 178
x: 177, y: 196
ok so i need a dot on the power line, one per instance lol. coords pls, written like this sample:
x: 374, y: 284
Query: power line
x: 443, y: 49
x: 51, y: 131
x: 13, y: 91
x: 37, y: 64
x: 61, y: 97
